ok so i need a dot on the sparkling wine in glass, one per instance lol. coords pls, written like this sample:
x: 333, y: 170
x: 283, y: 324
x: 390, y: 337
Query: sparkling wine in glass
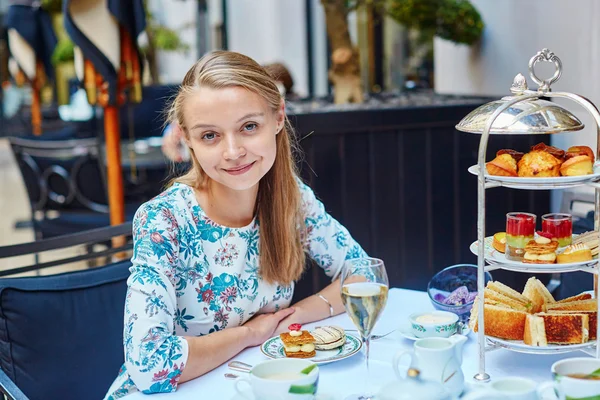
x: 364, y: 294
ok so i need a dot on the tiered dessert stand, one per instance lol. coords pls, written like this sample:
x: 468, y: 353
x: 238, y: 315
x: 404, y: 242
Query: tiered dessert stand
x: 526, y: 113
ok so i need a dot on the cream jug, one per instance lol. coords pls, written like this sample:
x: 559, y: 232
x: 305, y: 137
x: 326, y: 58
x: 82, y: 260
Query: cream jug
x: 439, y: 360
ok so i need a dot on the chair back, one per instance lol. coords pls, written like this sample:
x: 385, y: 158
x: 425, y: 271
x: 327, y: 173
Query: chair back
x: 61, y: 336
x: 61, y: 175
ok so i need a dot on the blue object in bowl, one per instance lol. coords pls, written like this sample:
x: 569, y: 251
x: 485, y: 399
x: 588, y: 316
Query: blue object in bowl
x: 447, y: 281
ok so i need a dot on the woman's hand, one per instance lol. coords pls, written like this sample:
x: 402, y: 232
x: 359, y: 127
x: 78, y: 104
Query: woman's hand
x: 262, y: 327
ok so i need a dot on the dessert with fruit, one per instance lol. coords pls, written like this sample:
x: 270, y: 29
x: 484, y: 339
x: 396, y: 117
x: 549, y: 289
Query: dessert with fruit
x: 520, y: 229
x: 559, y: 226
x: 298, y: 343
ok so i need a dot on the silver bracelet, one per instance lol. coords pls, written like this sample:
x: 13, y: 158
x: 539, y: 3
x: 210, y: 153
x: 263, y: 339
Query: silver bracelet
x: 328, y: 303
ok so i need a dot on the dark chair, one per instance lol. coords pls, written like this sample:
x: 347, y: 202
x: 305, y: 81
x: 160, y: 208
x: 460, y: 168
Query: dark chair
x: 61, y: 336
x: 64, y: 176
x: 147, y: 118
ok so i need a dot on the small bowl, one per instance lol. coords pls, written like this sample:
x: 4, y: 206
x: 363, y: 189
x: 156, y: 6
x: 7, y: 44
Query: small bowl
x: 445, y: 327
x: 447, y: 281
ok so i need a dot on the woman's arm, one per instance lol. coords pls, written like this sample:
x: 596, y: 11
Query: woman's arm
x: 210, y: 351
x: 313, y: 308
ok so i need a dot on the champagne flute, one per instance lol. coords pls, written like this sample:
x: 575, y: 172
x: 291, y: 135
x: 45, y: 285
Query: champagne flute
x: 364, y: 294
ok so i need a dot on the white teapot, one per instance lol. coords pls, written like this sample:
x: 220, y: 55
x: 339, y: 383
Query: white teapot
x: 439, y: 360
x: 413, y: 388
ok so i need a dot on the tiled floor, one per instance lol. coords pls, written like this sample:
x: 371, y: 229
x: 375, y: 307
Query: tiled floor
x: 14, y: 206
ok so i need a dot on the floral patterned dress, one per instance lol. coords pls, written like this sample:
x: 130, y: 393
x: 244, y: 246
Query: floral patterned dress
x: 191, y: 277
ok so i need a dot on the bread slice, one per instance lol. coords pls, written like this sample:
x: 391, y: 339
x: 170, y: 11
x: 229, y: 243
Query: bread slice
x: 536, y: 291
x: 543, y: 329
x: 302, y: 346
x: 500, y: 321
x: 508, y: 292
x: 496, y: 298
x: 593, y: 321
x: 535, y: 331
x: 579, y: 305
x: 582, y: 296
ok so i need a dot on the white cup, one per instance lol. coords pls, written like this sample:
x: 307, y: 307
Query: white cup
x: 509, y: 388
x: 566, y: 387
x: 280, y: 379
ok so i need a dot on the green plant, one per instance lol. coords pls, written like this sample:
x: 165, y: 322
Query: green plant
x: 63, y: 52
x: 454, y: 20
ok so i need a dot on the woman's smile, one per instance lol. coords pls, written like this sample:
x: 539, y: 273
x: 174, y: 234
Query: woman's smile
x: 239, y: 170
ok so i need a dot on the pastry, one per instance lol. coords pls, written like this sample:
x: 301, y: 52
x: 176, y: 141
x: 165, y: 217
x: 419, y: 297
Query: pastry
x: 575, y: 253
x: 541, y: 251
x: 499, y: 242
x: 554, y: 151
x: 539, y: 164
x: 298, y: 343
x: 576, y: 166
x: 590, y: 239
x: 329, y: 337
x: 580, y: 151
x: 516, y: 155
x: 503, y: 165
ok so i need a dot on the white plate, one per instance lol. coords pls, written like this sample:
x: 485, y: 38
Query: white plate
x: 273, y: 348
x: 549, y: 181
x: 406, y: 332
x: 521, y: 347
x: 493, y: 256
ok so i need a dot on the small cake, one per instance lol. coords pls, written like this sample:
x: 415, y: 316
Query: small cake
x: 502, y: 165
x: 329, y: 337
x: 499, y: 242
x: 575, y: 253
x: 577, y: 166
x: 539, y: 164
x: 541, y: 251
x: 298, y: 343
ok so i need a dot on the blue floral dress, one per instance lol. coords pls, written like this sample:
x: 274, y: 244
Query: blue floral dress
x: 191, y: 277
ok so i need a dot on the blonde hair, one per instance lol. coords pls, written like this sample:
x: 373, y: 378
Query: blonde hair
x: 278, y: 205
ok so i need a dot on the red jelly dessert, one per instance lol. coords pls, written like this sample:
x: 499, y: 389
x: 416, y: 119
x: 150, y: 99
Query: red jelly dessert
x: 520, y: 228
x: 560, y: 226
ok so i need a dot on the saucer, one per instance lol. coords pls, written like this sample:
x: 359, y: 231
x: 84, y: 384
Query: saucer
x: 406, y: 332
x: 248, y: 395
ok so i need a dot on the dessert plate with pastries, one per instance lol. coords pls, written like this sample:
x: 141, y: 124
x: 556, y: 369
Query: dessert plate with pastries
x: 321, y: 345
x: 543, y: 167
x: 541, y: 256
x: 534, y: 322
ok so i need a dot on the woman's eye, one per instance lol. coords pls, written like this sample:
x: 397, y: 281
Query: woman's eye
x: 209, y: 136
x: 250, y: 127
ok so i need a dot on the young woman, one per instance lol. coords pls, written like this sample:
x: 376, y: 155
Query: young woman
x: 216, y: 255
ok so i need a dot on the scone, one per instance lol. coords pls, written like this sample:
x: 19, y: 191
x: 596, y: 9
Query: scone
x: 575, y: 253
x: 580, y: 151
x: 499, y: 242
x: 539, y: 164
x: 298, y: 343
x: 576, y: 166
x: 502, y: 165
x: 329, y: 337
x: 555, y: 151
x: 517, y: 155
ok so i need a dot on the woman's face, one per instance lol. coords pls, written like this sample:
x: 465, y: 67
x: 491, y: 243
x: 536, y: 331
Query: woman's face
x: 232, y: 132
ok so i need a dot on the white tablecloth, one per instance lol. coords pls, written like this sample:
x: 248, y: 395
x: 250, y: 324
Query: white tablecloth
x: 344, y: 377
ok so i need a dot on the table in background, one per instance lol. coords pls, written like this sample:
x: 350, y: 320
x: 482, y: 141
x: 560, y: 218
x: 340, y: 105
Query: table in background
x: 344, y: 377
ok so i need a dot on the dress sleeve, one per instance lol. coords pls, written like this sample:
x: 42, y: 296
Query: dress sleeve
x: 327, y: 242
x: 154, y: 355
